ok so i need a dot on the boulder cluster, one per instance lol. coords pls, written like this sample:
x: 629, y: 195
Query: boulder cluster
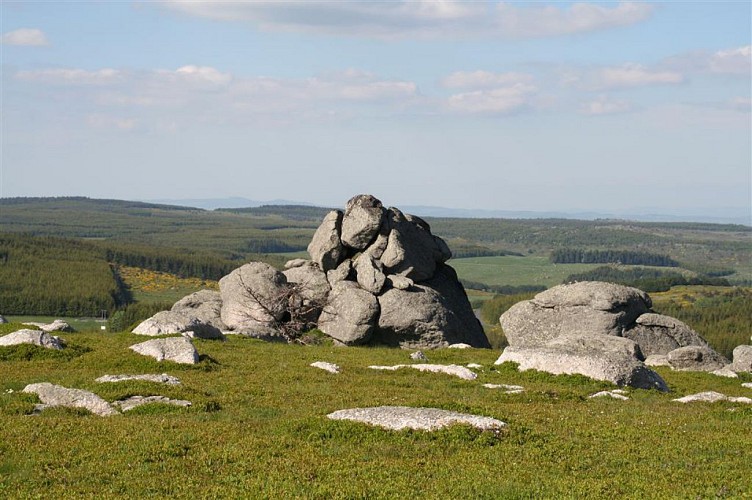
x: 376, y: 276
x: 604, y: 331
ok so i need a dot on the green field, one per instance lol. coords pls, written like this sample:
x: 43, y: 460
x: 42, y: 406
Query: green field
x: 516, y: 271
x: 78, y: 324
x: 258, y: 429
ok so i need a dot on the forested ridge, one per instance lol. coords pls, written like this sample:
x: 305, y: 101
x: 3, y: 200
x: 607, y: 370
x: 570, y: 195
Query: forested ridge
x: 630, y: 257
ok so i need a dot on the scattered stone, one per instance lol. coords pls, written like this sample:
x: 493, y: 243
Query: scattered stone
x: 460, y: 345
x: 726, y: 371
x: 474, y: 366
x: 418, y: 356
x: 696, y: 358
x: 456, y: 370
x: 158, y: 378
x: 657, y: 360
x: 747, y: 385
x: 323, y: 365
x: 404, y: 417
x: 136, y: 401
x: 742, y: 356
x: 56, y: 395
x: 609, y: 394
x: 712, y: 397
x: 602, y: 357
x: 56, y: 326
x: 350, y: 314
x: 176, y: 349
x: 508, y: 389
x: 171, y: 322
x: 34, y: 337
x: 325, y: 247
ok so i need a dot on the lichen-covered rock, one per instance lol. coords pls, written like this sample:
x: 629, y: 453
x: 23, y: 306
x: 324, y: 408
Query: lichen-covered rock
x: 404, y: 417
x: 361, y: 221
x: 310, y: 281
x: 171, y: 322
x: 204, y: 305
x: 369, y: 273
x: 160, y: 378
x: 659, y: 334
x: 254, y: 297
x: 434, y: 313
x: 325, y: 247
x: 411, y: 250
x: 175, y: 349
x: 33, y: 337
x: 742, y: 356
x: 601, y: 357
x: 350, y: 314
x: 696, y: 358
x: 55, y: 395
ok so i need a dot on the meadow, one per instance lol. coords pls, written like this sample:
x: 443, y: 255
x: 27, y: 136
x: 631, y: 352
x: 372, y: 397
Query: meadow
x: 258, y: 428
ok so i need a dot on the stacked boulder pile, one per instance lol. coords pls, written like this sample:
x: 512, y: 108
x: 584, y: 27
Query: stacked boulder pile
x: 604, y: 331
x: 376, y: 276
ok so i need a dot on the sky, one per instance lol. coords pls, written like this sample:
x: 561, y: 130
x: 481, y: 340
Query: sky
x: 539, y: 106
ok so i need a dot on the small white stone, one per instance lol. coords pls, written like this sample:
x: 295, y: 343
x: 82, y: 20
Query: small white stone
x: 460, y: 345
x: 748, y: 385
x: 609, y: 394
x: 323, y: 365
x: 474, y: 366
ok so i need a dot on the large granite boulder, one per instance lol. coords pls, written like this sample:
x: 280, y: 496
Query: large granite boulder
x: 587, y: 307
x: 175, y: 349
x: 434, y: 313
x: 696, y: 358
x: 254, y: 297
x: 326, y: 248
x: 361, y: 221
x: 55, y: 395
x: 204, y: 305
x: 659, y: 334
x: 411, y: 249
x: 350, y: 314
x: 171, y: 322
x: 601, y: 357
x: 742, y: 356
x: 33, y: 337
x: 309, y: 280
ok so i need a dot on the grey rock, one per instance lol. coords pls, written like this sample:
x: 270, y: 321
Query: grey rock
x: 712, y: 397
x: 323, y: 365
x: 609, y: 394
x: 404, y: 417
x: 726, y: 371
x: 290, y: 264
x: 2, y: 319
x: 587, y: 307
x: 162, y: 378
x: 176, y: 349
x: 601, y: 357
x: 34, y: 337
x: 341, y: 273
x: 377, y: 247
x: 418, y: 355
x: 350, y: 314
x: 432, y: 314
x: 56, y: 326
x: 170, y: 322
x: 507, y: 389
x: 56, y: 395
x: 369, y: 274
x: 411, y: 250
x: 361, y: 221
x: 460, y: 345
x: 136, y: 401
x: 325, y: 247
x: 204, y: 305
x: 696, y: 358
x: 455, y: 370
x: 747, y: 385
x: 659, y: 334
x: 254, y: 297
x: 310, y: 282
x: 399, y: 282
x: 657, y: 360
x: 742, y: 356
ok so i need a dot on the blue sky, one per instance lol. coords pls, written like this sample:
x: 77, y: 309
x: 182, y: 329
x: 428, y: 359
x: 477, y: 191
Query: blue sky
x: 539, y: 106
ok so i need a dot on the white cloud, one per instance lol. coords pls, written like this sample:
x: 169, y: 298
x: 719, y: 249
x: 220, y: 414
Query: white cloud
x: 737, y: 61
x: 484, y: 79
x: 604, y: 106
x: 71, y: 76
x: 743, y: 104
x: 635, y: 75
x: 30, y: 37
x: 105, y: 121
x: 419, y: 18
x: 204, y: 74
x: 495, y: 101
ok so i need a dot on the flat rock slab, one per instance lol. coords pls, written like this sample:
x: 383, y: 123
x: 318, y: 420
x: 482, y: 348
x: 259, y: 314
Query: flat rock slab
x: 726, y: 371
x: 323, y: 365
x: 508, y: 389
x: 404, y: 417
x: 136, y: 401
x: 33, y: 337
x: 162, y: 378
x: 176, y: 349
x: 56, y: 395
x: 712, y: 397
x: 456, y: 370
x: 610, y: 394
x: 748, y: 385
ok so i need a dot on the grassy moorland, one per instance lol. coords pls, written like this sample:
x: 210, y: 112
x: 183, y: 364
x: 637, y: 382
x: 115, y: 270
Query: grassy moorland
x: 258, y: 428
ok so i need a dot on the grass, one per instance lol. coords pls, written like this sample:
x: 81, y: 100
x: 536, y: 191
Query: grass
x: 78, y: 324
x: 257, y: 428
x: 516, y: 271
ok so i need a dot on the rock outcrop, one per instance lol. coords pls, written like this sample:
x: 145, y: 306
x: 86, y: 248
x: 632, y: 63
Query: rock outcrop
x: 176, y: 349
x: 33, y: 337
x: 254, y: 298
